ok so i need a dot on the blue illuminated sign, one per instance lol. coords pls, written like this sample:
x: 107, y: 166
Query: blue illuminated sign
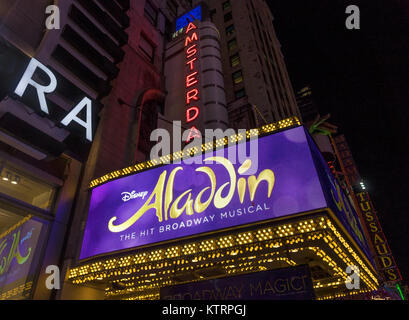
x: 183, y: 21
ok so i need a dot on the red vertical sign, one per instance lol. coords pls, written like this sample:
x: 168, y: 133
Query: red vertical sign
x: 192, y: 82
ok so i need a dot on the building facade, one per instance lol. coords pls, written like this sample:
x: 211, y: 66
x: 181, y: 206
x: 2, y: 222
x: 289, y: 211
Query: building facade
x: 53, y: 86
x: 338, y: 154
x: 120, y: 224
x: 258, y: 87
x: 136, y: 256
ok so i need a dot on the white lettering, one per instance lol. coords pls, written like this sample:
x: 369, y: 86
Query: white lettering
x: 126, y: 196
x: 73, y: 116
x: 41, y: 90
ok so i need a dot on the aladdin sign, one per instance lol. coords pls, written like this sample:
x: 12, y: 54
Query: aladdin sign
x: 190, y: 199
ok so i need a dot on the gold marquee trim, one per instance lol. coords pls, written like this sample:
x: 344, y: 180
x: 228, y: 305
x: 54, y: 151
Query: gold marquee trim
x: 14, y: 227
x: 241, y: 252
x: 264, y: 130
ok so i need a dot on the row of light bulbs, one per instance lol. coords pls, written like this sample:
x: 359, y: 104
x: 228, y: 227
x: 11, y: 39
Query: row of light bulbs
x: 308, y: 226
x: 192, y: 151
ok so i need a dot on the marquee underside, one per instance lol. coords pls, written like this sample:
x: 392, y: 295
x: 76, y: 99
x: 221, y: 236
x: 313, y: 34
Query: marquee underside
x: 314, y: 238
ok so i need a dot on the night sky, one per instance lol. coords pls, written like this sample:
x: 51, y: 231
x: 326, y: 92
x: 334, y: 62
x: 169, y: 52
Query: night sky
x: 360, y: 77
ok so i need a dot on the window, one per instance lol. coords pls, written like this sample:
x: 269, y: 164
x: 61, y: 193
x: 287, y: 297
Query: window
x: 232, y: 44
x: 230, y: 30
x: 150, y: 13
x: 147, y: 49
x: 212, y: 13
x: 240, y: 94
x: 228, y: 17
x: 238, y: 77
x: 23, y: 187
x: 226, y: 5
x: 235, y: 60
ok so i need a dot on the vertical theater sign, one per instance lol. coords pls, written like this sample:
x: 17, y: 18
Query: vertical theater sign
x: 192, y: 87
x: 384, y: 257
x: 188, y: 26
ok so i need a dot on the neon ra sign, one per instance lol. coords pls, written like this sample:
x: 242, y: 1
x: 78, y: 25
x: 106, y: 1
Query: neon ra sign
x: 192, y: 90
x: 72, y: 116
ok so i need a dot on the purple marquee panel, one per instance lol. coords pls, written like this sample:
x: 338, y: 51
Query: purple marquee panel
x: 281, y: 284
x: 135, y: 211
x: 338, y: 201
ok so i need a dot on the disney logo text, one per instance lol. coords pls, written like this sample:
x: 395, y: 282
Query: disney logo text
x: 126, y: 196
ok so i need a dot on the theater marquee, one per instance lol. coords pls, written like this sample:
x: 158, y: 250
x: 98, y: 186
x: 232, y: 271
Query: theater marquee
x: 180, y: 200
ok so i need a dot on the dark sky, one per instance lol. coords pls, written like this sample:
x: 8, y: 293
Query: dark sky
x: 360, y: 77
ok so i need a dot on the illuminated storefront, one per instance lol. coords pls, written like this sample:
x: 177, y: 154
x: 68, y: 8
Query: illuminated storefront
x: 48, y: 119
x: 20, y: 251
x: 31, y: 201
x: 159, y: 224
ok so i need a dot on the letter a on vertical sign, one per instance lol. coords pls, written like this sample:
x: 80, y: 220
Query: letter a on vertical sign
x: 190, y: 27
